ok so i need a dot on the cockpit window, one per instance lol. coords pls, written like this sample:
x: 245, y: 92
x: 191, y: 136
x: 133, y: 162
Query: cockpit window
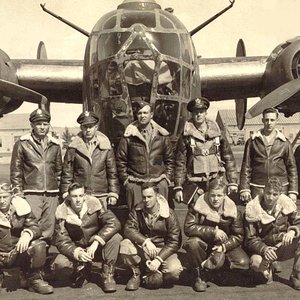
x: 93, y: 49
x: 139, y: 76
x: 110, y: 23
x: 165, y: 43
x: 165, y: 114
x: 186, y: 82
x: 130, y: 18
x: 110, y: 43
x: 109, y: 79
x: 186, y: 47
x: 169, y: 78
x: 165, y: 23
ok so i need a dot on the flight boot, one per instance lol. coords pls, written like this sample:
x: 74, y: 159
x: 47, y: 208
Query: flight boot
x: 107, y: 276
x: 134, y: 282
x: 80, y: 275
x: 37, y: 284
x: 200, y: 284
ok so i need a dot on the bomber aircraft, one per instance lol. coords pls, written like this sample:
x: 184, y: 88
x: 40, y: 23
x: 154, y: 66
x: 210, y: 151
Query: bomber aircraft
x: 142, y: 51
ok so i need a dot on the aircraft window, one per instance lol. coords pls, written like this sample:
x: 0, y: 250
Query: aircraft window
x: 165, y: 43
x: 165, y: 114
x: 186, y: 47
x: 184, y: 115
x: 177, y: 23
x: 110, y: 43
x: 146, y: 18
x: 93, y: 49
x: 110, y: 79
x: 165, y: 23
x: 168, y: 78
x: 137, y: 45
x: 139, y: 76
x: 186, y: 82
x: 110, y: 23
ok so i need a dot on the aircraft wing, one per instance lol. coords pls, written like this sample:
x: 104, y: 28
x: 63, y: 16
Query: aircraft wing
x: 221, y: 79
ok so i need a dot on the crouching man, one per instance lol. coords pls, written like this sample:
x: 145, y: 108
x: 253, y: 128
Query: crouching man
x: 215, y: 230
x: 86, y: 231
x: 153, y: 238
x: 273, y: 231
x: 19, y: 243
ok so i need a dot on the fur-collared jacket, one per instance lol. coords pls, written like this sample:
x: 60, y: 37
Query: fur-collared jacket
x: 200, y: 157
x: 258, y: 166
x: 263, y: 229
x: 97, y: 173
x: 34, y: 170
x: 138, y: 161
x: 21, y: 220
x: 165, y: 232
x: 201, y: 221
x: 74, y: 232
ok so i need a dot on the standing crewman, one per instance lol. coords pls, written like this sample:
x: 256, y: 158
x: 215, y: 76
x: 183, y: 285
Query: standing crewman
x: 145, y: 154
x: 202, y: 154
x: 36, y: 168
x: 90, y: 160
x: 268, y: 154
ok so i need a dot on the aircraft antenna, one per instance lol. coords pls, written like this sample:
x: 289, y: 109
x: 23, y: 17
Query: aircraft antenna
x: 43, y: 6
x: 201, y: 26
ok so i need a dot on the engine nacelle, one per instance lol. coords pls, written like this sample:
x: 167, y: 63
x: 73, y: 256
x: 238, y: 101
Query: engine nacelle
x: 282, y: 65
x: 8, y: 73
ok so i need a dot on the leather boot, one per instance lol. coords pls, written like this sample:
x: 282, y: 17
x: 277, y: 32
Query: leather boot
x: 108, y: 281
x: 200, y: 284
x: 295, y: 280
x: 80, y: 275
x: 134, y: 282
x: 37, y: 284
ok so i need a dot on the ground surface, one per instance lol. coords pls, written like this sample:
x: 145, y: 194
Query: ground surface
x: 227, y: 287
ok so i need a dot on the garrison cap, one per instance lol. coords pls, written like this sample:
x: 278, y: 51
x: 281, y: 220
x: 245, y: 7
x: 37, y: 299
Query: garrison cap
x: 39, y: 115
x: 87, y: 117
x: 137, y: 105
x: 199, y: 102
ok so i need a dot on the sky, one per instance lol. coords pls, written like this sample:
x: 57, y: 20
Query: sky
x: 262, y: 24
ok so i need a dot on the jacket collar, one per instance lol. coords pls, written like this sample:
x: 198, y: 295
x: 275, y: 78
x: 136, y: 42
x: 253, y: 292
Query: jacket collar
x: 78, y: 143
x: 20, y: 206
x: 132, y: 130
x: 28, y: 137
x: 229, y: 208
x: 213, y: 130
x: 164, y: 210
x: 279, y: 135
x: 255, y: 213
x: 65, y: 212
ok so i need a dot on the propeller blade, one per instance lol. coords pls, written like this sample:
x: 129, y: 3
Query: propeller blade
x: 18, y: 92
x: 41, y: 51
x: 276, y: 97
x: 240, y: 104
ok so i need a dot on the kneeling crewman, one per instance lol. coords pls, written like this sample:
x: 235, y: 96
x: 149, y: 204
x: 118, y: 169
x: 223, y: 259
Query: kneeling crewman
x: 273, y: 231
x: 215, y: 230
x: 153, y: 237
x: 19, y: 243
x: 87, y: 231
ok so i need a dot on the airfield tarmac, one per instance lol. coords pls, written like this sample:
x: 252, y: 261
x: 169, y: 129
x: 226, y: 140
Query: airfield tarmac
x: 229, y: 286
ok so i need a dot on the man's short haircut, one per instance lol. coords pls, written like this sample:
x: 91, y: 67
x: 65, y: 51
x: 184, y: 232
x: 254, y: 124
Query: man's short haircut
x: 274, y: 184
x: 216, y: 184
x: 270, y: 110
x: 150, y: 185
x: 75, y: 186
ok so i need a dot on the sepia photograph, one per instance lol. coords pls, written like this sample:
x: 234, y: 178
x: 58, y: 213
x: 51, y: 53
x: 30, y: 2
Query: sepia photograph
x: 149, y: 149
